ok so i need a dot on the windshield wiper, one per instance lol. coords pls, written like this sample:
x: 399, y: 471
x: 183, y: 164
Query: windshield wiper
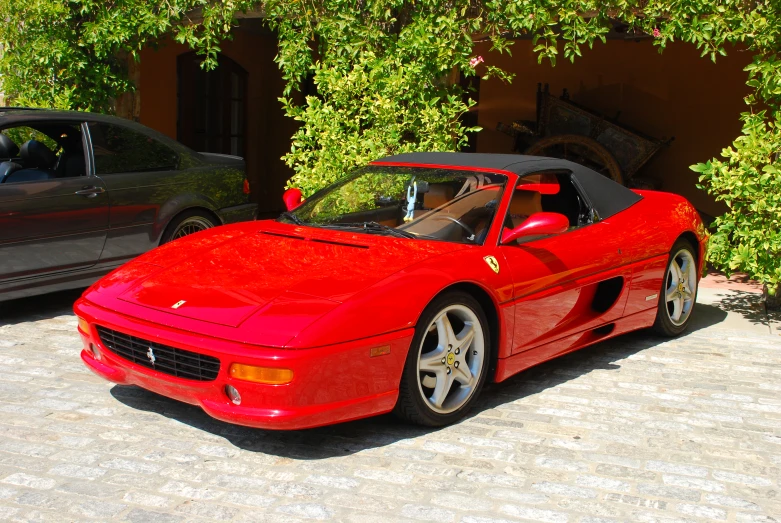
x: 375, y: 227
x: 292, y: 217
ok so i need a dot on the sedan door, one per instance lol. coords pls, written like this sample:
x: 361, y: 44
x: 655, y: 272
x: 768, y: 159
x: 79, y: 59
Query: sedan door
x: 52, y: 225
x: 142, y: 174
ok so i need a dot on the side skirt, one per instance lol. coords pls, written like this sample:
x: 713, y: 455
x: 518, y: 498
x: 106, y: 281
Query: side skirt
x: 507, y: 367
x: 53, y: 282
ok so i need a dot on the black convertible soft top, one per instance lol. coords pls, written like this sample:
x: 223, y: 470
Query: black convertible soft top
x: 606, y: 196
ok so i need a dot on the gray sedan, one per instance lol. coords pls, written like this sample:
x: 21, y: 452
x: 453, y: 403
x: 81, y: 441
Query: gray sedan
x: 82, y: 193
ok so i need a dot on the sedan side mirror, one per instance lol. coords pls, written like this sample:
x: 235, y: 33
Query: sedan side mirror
x: 538, y: 223
x: 292, y: 198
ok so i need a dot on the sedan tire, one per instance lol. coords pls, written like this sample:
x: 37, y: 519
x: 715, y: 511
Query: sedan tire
x: 187, y: 223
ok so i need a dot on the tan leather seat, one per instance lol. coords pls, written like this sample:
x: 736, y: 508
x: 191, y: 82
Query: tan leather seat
x: 523, y: 205
x: 437, y: 196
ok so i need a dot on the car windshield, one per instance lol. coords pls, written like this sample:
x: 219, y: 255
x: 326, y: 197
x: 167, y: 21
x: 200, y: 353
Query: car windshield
x: 412, y: 202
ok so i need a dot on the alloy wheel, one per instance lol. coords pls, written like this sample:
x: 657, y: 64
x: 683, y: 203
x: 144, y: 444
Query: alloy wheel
x: 191, y: 225
x: 450, y: 359
x: 680, y: 287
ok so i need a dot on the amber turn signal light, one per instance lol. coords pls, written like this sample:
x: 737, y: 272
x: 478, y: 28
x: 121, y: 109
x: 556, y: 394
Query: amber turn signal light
x: 267, y: 375
x: 84, y: 325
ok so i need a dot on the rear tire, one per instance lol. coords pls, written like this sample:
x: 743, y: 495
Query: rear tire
x: 678, y: 295
x: 186, y: 223
x: 447, y: 363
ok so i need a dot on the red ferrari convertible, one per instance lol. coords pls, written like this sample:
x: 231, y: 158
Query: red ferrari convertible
x: 403, y: 287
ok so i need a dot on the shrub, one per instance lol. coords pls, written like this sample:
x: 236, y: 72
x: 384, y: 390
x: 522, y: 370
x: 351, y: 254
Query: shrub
x: 747, y: 237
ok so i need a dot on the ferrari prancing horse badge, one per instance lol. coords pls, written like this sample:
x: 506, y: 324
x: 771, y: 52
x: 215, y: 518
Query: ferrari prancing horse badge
x: 491, y: 261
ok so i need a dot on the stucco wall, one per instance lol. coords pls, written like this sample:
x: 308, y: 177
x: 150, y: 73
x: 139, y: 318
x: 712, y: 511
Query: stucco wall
x: 676, y: 93
x: 268, y: 131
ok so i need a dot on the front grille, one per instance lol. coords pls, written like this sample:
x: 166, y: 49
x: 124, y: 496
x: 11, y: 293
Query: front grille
x: 162, y: 358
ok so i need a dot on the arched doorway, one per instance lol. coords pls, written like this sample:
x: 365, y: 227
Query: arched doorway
x: 212, y: 105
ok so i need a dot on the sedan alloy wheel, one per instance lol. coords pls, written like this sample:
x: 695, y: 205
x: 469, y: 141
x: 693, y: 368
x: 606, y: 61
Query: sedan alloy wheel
x: 191, y: 225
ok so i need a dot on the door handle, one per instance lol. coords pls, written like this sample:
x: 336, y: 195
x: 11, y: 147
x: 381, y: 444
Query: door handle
x: 90, y: 192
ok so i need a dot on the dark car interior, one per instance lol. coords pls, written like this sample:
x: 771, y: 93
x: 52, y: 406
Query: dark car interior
x: 558, y: 194
x: 34, y: 160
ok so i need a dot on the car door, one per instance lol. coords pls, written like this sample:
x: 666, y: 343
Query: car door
x: 56, y: 224
x: 141, y: 174
x: 561, y: 282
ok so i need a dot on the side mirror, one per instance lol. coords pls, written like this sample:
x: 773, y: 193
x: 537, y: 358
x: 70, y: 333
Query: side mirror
x: 292, y: 198
x: 538, y: 223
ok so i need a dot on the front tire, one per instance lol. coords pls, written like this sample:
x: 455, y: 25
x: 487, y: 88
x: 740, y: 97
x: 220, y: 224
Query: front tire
x: 447, y: 363
x: 678, y: 295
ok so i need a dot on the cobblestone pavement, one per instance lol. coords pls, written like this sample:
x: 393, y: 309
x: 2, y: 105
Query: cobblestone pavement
x: 633, y: 429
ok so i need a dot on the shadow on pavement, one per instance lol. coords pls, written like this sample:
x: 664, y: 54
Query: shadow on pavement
x: 351, y: 437
x: 311, y: 444
x: 747, y: 304
x: 706, y: 315
x: 34, y: 308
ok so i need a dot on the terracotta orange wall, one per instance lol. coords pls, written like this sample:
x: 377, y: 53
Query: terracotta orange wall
x: 676, y: 93
x: 268, y: 130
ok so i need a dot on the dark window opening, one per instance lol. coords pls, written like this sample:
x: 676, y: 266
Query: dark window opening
x: 41, y: 151
x: 211, y: 105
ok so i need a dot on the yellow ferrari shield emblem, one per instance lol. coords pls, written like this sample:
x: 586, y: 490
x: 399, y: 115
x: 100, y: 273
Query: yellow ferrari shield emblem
x: 451, y: 358
x: 491, y: 261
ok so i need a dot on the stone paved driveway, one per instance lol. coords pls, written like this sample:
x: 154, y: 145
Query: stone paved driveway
x: 634, y: 429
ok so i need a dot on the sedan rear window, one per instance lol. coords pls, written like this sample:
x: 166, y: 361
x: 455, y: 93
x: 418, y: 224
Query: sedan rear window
x: 121, y: 150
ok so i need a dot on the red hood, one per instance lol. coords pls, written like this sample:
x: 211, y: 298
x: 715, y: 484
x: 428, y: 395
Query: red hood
x: 288, y: 276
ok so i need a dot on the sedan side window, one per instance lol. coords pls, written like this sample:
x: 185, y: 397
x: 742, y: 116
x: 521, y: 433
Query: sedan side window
x: 41, y: 151
x: 119, y: 149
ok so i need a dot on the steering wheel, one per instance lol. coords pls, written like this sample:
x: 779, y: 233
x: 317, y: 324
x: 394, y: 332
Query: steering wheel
x: 461, y: 224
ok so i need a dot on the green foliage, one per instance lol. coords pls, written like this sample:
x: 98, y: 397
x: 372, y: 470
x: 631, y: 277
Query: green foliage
x: 386, y: 76
x: 382, y: 72
x: 358, y: 192
x: 747, y: 179
x: 73, y: 54
x: 748, y: 237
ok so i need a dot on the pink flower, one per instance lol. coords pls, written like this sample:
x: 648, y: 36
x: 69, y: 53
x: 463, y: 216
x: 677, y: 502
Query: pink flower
x: 657, y: 32
x: 476, y: 60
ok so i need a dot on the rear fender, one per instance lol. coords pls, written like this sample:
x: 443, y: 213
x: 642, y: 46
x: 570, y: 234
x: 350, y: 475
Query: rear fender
x: 654, y: 224
x: 179, y: 203
x: 651, y: 228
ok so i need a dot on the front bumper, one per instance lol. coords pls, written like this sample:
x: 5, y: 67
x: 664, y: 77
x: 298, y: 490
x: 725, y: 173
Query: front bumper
x: 330, y: 384
x: 238, y: 213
